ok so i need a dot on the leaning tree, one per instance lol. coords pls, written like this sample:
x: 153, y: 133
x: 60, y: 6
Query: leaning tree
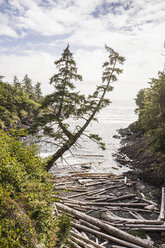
x: 66, y: 103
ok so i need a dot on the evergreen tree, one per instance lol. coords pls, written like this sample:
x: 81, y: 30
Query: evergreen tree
x: 66, y: 103
x: 1, y: 77
x: 16, y: 108
x: 151, y: 111
x: 27, y: 86
x: 16, y: 83
x: 38, y: 92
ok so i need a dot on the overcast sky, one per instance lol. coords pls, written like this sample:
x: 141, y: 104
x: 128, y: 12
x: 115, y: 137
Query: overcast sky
x: 33, y: 34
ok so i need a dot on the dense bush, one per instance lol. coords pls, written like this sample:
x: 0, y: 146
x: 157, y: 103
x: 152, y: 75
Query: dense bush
x: 151, y: 111
x: 26, y: 217
x: 16, y: 106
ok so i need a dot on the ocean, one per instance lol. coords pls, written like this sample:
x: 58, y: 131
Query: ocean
x: 88, y: 156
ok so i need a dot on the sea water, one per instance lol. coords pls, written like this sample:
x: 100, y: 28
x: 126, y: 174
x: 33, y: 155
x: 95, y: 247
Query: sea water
x: 87, y: 155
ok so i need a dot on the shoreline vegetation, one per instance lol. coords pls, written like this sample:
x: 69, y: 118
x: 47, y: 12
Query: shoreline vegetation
x: 37, y: 210
x: 144, y: 140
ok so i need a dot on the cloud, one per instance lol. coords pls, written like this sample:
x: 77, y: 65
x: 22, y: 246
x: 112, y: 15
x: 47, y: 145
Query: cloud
x: 39, y: 66
x: 134, y: 28
x: 5, y: 28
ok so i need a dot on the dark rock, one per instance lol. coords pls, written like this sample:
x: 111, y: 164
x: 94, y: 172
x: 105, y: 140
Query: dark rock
x: 121, y: 161
x: 116, y: 136
x: 136, y: 147
x: 85, y: 166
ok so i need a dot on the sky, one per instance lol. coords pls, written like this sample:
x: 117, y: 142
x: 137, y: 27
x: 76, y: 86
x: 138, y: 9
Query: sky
x: 34, y: 33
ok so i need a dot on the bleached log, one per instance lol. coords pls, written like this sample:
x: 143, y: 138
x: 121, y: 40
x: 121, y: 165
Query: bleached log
x: 96, y: 197
x: 104, y: 243
x: 63, y: 183
x: 100, y: 193
x: 89, y: 155
x: 107, y: 228
x: 75, y: 189
x: 86, y: 193
x: 107, y: 204
x: 96, y: 183
x: 129, y: 209
x: 117, y: 246
x: 162, y: 208
x: 151, y: 207
x: 149, y: 201
x: 84, y: 235
x: 107, y: 237
x: 136, y: 215
x: 122, y: 197
x: 93, y: 192
x: 83, y: 222
x: 138, y: 226
x: 86, y: 240
x: 91, y: 175
x: 112, y: 198
x: 74, y: 244
x: 80, y: 208
x: 124, y: 204
x: 150, y: 229
x: 111, y: 217
x: 80, y: 242
x: 97, y: 240
x: 83, y: 181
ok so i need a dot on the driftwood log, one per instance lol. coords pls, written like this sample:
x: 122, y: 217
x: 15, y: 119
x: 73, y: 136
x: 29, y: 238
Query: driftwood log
x: 87, y: 241
x: 107, y: 228
x: 106, y: 236
x: 162, y: 209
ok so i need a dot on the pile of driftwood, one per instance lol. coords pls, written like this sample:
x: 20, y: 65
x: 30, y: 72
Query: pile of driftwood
x: 104, y: 212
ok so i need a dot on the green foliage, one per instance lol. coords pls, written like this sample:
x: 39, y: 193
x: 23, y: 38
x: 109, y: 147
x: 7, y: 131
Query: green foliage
x: 139, y: 233
x: 16, y: 83
x: 151, y: 111
x: 38, y: 92
x: 65, y: 103
x: 64, y: 230
x: 28, y: 87
x: 26, y: 217
x: 16, y: 107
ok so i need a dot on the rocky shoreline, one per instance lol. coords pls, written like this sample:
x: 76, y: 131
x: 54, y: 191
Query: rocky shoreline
x: 136, y: 153
x: 130, y: 203
x: 99, y: 201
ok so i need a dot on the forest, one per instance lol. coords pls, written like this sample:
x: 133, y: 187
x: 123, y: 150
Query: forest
x: 27, y: 218
x: 151, y: 116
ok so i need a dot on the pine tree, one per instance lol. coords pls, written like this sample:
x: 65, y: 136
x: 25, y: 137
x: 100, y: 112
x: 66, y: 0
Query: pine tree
x: 16, y: 83
x: 66, y: 103
x: 63, y: 83
x: 38, y: 92
x: 151, y: 111
x: 1, y: 77
x: 27, y: 86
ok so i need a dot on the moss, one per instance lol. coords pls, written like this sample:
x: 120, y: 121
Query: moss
x: 141, y: 150
x: 140, y: 233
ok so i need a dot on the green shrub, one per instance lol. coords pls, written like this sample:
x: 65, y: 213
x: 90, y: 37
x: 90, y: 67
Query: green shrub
x: 26, y: 217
